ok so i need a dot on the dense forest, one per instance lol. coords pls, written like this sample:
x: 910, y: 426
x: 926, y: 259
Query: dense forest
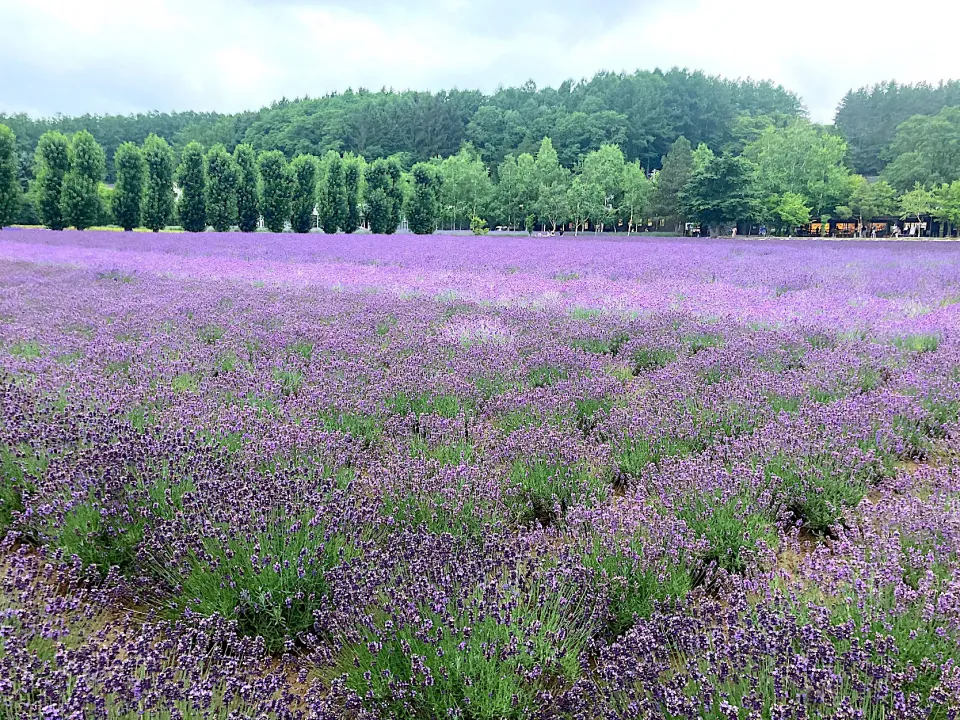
x: 643, y: 113
x: 622, y: 151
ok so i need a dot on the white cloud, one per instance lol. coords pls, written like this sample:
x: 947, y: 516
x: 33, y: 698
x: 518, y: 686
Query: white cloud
x: 121, y: 56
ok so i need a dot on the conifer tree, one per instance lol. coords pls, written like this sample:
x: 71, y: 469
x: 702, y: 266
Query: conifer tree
x: 128, y: 192
x: 158, y: 194
x: 192, y: 179
x: 52, y: 161
x: 275, y: 178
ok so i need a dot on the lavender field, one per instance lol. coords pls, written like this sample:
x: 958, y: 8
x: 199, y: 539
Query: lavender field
x: 276, y: 476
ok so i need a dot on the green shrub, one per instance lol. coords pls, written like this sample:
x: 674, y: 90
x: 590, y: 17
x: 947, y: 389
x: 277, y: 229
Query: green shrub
x: 732, y: 529
x: 646, y: 359
x: 540, y: 490
x: 918, y: 343
x: 269, y: 580
x: 602, y: 346
x: 448, y: 406
x: 702, y: 341
x: 366, y: 428
x: 474, y: 663
x: 816, y: 490
x: 633, y: 582
x: 546, y: 375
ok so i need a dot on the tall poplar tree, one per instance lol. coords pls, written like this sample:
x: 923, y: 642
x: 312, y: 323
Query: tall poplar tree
x: 248, y: 198
x: 275, y: 179
x: 80, y: 200
x: 192, y: 179
x: 51, y: 163
x: 334, y: 208
x: 424, y: 208
x: 158, y: 194
x: 9, y: 186
x: 303, y: 174
x: 351, y: 175
x: 128, y: 192
x: 222, y: 179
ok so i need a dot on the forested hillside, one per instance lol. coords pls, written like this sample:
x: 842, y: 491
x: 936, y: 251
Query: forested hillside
x: 643, y: 113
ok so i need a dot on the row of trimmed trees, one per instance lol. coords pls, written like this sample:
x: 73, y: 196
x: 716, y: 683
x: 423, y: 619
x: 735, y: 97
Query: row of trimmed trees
x: 212, y: 188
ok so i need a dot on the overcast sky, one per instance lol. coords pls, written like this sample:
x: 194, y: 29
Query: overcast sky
x: 120, y: 56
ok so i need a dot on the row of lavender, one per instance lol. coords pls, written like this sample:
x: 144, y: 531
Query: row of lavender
x: 479, y: 479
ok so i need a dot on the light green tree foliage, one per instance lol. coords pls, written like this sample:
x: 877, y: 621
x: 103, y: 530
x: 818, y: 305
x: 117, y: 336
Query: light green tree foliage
x: 603, y: 169
x: 81, y: 200
x: 675, y: 173
x: 51, y: 163
x: 9, y: 186
x: 872, y: 200
x: 223, y: 177
x: 127, y: 198
x: 517, y: 188
x: 947, y: 201
x: 552, y: 180
x: 721, y: 193
x: 277, y: 188
x: 304, y: 171
x: 248, y: 187
x: 916, y: 202
x: 423, y: 205
x: 791, y: 211
x: 804, y: 159
x: 702, y: 156
x: 583, y: 199
x: 925, y: 150
x: 637, y: 195
x: 466, y: 190
x: 334, y: 206
x: 353, y: 179
x: 192, y: 179
x: 158, y: 193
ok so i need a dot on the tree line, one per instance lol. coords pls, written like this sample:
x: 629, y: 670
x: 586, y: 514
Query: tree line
x: 642, y: 112
x: 780, y: 172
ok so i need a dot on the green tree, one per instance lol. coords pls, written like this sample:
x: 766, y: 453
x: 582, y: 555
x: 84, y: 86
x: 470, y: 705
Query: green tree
x: 870, y: 200
x: 303, y: 174
x: 334, y: 206
x: 916, y: 202
x: 383, y: 194
x: 552, y: 181
x: 720, y: 194
x: 518, y: 188
x: 423, y: 211
x: 583, y: 199
x: 395, y: 191
x: 248, y: 187
x: 466, y: 188
x: 637, y: 194
x: 9, y: 185
x: 791, y: 212
x: 604, y: 169
x: 222, y: 179
x: 52, y: 161
x: 925, y: 150
x: 674, y: 175
x: 353, y: 177
x: 81, y: 185
x: 803, y: 159
x: 277, y: 190
x: 192, y: 179
x: 158, y: 195
x: 948, y: 204
x: 128, y: 193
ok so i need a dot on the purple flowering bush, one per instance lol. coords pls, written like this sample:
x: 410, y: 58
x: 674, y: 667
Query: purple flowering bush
x: 416, y: 477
